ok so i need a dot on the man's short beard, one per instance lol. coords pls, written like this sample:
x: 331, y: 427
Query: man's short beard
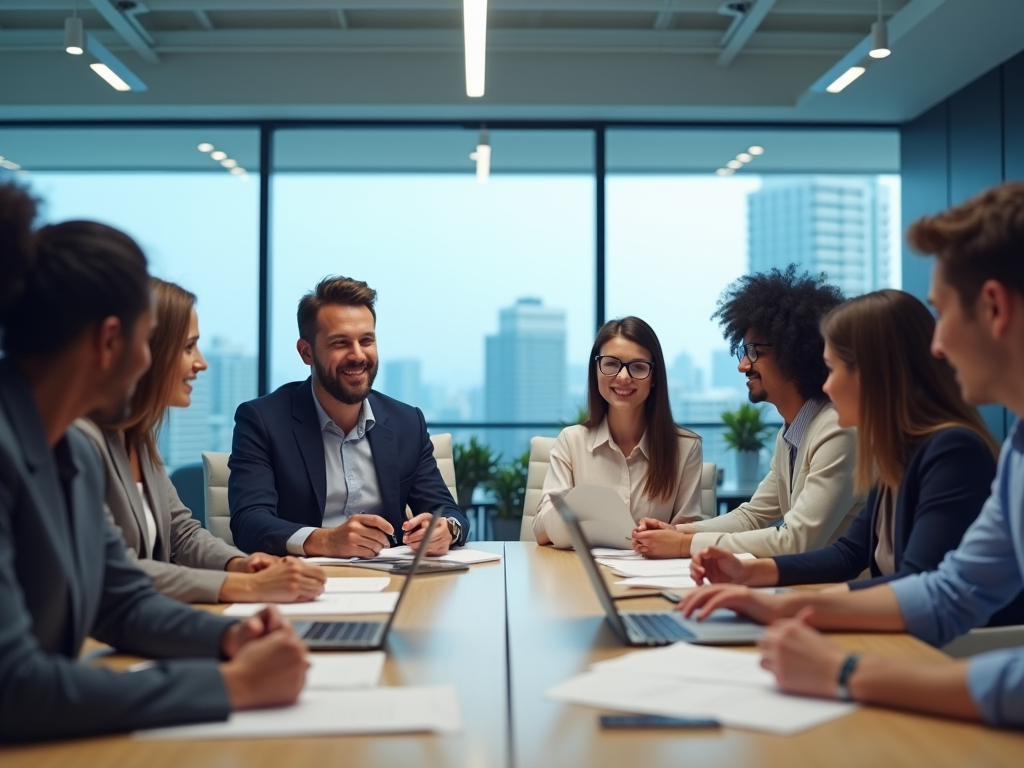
x: 757, y: 397
x: 331, y: 381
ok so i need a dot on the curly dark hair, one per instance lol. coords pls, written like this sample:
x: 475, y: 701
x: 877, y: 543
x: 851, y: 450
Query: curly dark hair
x: 787, y: 308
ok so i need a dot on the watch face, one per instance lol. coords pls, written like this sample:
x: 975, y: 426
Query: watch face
x: 453, y: 527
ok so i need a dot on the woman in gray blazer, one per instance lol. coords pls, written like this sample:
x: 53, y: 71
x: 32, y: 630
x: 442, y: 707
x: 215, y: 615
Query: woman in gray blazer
x: 184, y: 560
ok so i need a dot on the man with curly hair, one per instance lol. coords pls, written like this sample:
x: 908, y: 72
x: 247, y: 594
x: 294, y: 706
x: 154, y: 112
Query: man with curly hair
x: 771, y: 322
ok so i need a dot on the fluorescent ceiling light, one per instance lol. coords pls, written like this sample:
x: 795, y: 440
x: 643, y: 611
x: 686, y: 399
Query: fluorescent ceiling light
x: 474, y: 21
x: 743, y: 157
x: 110, y: 76
x: 74, y: 36
x: 845, y: 79
x: 734, y: 164
x: 205, y: 147
x: 756, y: 150
x: 879, y: 40
x: 218, y: 155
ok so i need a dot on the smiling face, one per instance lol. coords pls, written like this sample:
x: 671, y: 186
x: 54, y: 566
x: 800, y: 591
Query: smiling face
x: 191, y: 363
x: 622, y: 392
x: 763, y: 377
x: 843, y: 388
x: 344, y: 357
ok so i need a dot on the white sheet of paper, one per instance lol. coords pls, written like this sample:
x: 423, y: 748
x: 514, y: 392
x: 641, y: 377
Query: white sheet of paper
x: 330, y: 713
x: 462, y: 555
x: 617, y: 554
x: 340, y: 584
x: 694, y: 662
x: 328, y: 604
x: 330, y: 560
x: 676, y: 566
x: 739, y: 706
x: 657, y: 582
x: 333, y: 671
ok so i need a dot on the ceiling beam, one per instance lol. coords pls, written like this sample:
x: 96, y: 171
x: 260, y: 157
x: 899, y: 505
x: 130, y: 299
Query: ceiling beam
x: 127, y: 29
x: 203, y: 19
x: 745, y: 31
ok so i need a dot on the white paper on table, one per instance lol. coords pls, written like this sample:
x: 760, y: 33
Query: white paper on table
x: 694, y: 662
x: 334, y: 671
x: 616, y: 554
x: 330, y: 713
x: 318, y: 560
x: 328, y: 604
x: 336, y: 585
x: 675, y: 566
x: 657, y: 582
x: 738, y: 706
x: 461, y: 555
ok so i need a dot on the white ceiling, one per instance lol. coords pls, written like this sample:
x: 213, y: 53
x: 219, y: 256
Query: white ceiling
x: 547, y: 59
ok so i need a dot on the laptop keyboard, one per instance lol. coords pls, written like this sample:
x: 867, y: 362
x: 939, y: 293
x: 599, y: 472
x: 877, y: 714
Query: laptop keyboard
x: 658, y: 626
x: 354, y: 631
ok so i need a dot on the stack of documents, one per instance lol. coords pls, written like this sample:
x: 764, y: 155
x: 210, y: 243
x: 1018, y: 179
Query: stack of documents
x: 685, y: 680
x: 464, y: 556
x: 328, y: 604
x: 673, y: 573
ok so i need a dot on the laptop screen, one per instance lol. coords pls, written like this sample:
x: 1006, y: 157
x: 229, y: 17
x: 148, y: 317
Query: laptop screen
x: 582, y: 547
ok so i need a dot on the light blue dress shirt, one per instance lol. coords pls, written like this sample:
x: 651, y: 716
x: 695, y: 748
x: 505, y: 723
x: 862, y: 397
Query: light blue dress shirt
x: 352, y: 487
x: 973, y: 582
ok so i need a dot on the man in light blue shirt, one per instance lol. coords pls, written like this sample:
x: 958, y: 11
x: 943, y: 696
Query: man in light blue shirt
x: 978, y: 293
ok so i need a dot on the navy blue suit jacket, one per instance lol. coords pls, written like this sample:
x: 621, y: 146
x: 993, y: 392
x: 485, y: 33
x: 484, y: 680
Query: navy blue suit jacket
x: 278, y: 480
x: 946, y: 482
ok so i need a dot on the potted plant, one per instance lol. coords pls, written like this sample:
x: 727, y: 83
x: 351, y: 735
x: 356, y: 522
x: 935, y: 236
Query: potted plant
x: 746, y: 433
x: 508, y: 487
x: 475, y: 462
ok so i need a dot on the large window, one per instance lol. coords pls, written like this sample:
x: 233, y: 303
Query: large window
x: 198, y: 225
x: 679, y: 232
x: 486, y: 291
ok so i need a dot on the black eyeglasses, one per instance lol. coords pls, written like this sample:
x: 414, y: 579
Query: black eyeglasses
x: 749, y: 351
x: 610, y: 366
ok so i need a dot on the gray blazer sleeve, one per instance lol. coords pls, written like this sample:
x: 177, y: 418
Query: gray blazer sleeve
x: 47, y: 695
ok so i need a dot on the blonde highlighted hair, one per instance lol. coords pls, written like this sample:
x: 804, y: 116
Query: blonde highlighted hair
x: 906, y: 393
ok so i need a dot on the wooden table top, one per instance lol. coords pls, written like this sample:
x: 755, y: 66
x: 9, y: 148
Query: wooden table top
x: 557, y: 629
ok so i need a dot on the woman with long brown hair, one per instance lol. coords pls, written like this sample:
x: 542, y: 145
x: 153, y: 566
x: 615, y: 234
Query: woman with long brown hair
x: 628, y: 441
x: 923, y: 454
x: 184, y: 560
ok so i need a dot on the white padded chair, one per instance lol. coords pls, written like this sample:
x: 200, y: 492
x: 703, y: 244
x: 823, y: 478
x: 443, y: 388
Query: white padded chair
x: 216, y: 473
x: 540, y: 463
x: 986, y: 639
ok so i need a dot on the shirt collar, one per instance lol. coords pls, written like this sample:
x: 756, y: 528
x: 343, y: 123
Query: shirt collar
x: 603, y: 435
x: 794, y: 433
x: 364, y: 425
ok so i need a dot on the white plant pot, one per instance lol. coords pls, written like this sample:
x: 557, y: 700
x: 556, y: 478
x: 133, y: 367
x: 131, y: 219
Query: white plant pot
x: 747, y: 466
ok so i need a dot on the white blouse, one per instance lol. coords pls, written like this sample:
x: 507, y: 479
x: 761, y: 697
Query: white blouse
x: 582, y: 456
x: 150, y: 520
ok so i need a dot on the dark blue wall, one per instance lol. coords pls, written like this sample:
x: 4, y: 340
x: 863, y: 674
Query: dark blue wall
x: 971, y: 141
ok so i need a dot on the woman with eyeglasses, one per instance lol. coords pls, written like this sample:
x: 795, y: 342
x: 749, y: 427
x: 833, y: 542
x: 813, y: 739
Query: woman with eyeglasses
x: 628, y: 441
x: 922, y: 454
x: 184, y: 560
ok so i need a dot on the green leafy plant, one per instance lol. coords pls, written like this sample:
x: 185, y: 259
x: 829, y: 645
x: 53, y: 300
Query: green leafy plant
x: 475, y: 464
x: 746, y: 429
x: 508, y: 484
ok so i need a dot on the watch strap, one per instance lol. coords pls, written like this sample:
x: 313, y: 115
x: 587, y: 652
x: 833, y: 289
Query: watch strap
x: 845, y: 672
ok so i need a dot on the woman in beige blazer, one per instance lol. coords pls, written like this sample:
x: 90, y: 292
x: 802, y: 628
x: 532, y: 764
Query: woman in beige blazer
x: 184, y: 560
x: 629, y: 441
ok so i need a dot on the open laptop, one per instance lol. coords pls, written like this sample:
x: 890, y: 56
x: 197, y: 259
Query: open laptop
x: 723, y: 627
x: 361, y: 635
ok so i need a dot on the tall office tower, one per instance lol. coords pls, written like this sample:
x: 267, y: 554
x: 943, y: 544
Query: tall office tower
x: 838, y: 225
x: 525, y: 373
x: 233, y: 379
x: 684, y: 375
x: 187, y: 431
x: 402, y: 380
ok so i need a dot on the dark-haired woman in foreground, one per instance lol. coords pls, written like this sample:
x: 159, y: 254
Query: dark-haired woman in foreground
x: 75, y: 319
x: 629, y: 441
x: 925, y: 455
x: 184, y: 560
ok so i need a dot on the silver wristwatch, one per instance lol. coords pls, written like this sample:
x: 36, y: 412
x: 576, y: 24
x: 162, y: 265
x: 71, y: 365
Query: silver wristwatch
x: 454, y: 529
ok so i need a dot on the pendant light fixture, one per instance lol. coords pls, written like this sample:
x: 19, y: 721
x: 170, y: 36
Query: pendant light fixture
x: 879, y: 37
x: 482, y: 155
x: 74, y: 33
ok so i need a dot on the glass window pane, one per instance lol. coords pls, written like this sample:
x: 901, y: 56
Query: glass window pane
x: 827, y: 200
x: 198, y: 225
x: 485, y: 291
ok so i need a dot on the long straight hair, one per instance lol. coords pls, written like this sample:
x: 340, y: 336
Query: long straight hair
x: 174, y: 307
x: 662, y: 432
x: 906, y: 393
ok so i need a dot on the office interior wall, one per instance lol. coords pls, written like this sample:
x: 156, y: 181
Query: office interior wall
x: 971, y: 141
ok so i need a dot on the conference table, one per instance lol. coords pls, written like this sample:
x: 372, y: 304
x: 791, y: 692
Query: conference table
x: 505, y: 632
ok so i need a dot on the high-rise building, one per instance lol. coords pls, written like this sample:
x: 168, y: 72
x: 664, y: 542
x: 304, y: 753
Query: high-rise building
x: 838, y: 225
x: 186, y: 431
x: 525, y: 372
x: 402, y: 381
